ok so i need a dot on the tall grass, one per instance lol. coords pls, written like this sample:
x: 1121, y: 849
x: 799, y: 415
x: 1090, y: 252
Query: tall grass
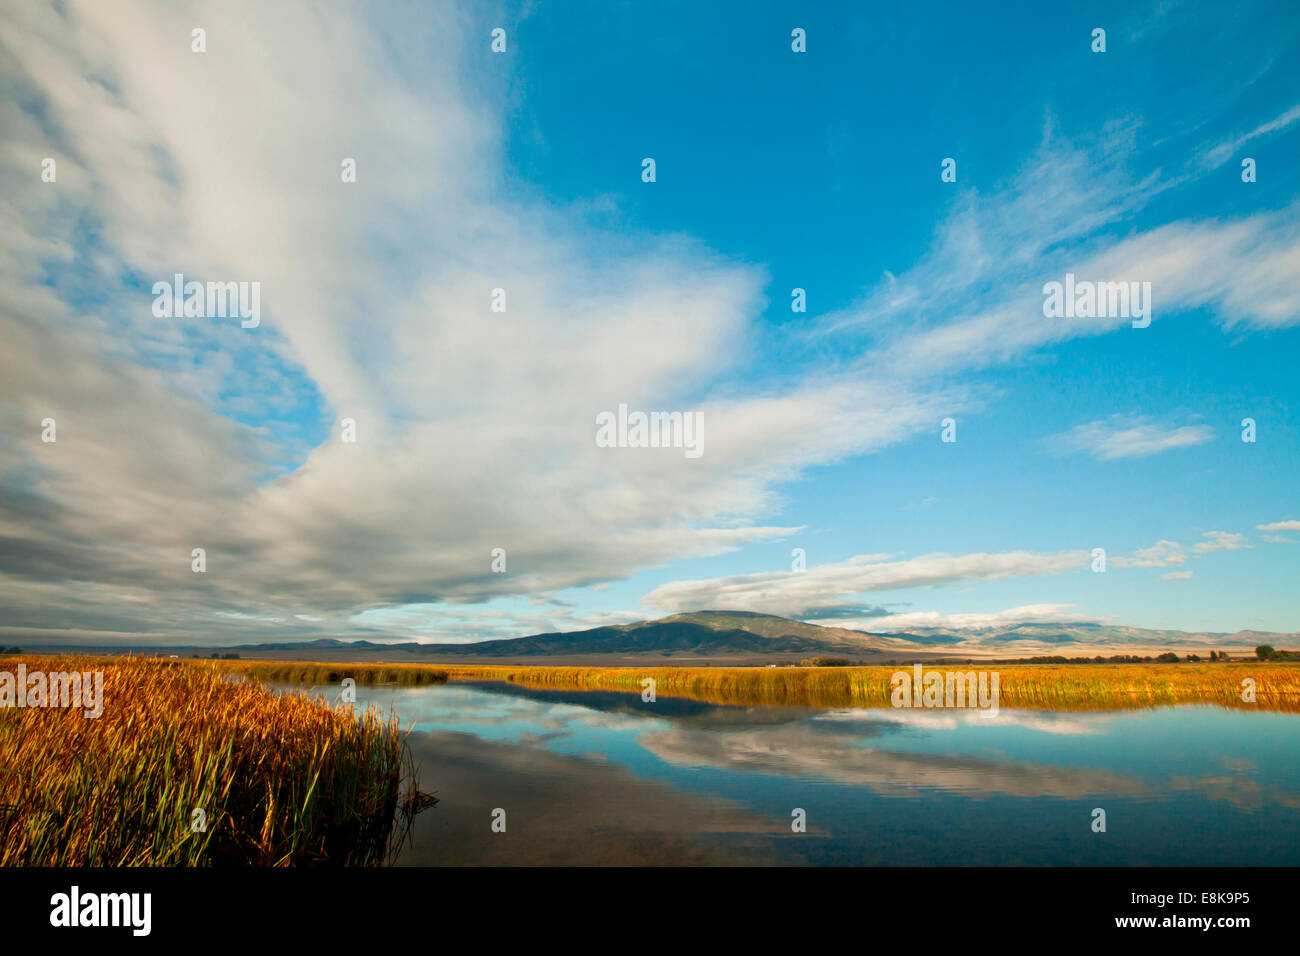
x: 1042, y: 687
x: 1034, y: 686
x: 281, y: 779
x: 305, y: 672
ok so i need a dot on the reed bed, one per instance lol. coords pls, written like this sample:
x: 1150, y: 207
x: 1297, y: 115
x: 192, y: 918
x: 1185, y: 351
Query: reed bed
x: 281, y: 779
x: 1029, y: 686
x: 1026, y: 686
x: 319, y: 674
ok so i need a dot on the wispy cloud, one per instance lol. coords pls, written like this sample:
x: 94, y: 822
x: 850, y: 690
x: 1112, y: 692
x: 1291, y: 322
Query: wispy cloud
x: 799, y: 594
x: 970, y: 620
x: 1165, y: 554
x: 975, y: 299
x: 1160, y: 555
x: 1127, y: 437
x: 1220, y: 541
x: 1222, y: 152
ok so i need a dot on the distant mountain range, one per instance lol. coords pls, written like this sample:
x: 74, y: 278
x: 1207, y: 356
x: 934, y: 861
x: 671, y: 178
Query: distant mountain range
x: 747, y: 637
x: 702, y: 634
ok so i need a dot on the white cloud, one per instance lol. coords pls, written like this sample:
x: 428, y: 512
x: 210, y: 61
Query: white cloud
x: 475, y: 428
x: 1221, y: 153
x: 1220, y: 541
x: 1125, y: 437
x: 1159, y: 555
x: 1166, y: 553
x: 1289, y: 525
x: 967, y: 621
x: 975, y: 299
x: 797, y: 594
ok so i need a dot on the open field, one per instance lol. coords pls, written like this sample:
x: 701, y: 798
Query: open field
x: 1033, y: 686
x: 279, y: 779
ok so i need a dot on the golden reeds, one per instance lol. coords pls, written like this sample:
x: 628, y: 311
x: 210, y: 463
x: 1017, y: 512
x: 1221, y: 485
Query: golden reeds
x: 277, y: 778
x: 1276, y: 686
x: 306, y: 672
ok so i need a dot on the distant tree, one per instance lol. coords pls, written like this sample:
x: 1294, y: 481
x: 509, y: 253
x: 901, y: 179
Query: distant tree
x: 1168, y: 658
x: 1193, y: 658
x: 1265, y: 652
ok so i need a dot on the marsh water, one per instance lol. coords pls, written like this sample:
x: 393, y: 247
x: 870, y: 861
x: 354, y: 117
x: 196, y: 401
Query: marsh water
x: 604, y: 778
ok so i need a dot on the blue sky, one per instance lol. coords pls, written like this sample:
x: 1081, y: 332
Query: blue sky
x: 774, y: 170
x: 822, y: 168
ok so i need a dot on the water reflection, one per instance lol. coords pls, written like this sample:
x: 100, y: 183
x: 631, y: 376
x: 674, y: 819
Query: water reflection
x: 566, y: 809
x: 604, y: 777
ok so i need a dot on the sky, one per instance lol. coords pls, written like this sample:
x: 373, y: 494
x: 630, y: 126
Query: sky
x: 503, y: 270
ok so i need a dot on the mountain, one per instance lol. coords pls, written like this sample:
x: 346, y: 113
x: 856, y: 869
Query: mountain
x: 746, y: 637
x: 702, y: 634
x: 752, y: 636
x: 1091, y: 634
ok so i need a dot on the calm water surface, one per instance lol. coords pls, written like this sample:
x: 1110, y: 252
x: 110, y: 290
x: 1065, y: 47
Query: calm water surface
x: 602, y: 777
